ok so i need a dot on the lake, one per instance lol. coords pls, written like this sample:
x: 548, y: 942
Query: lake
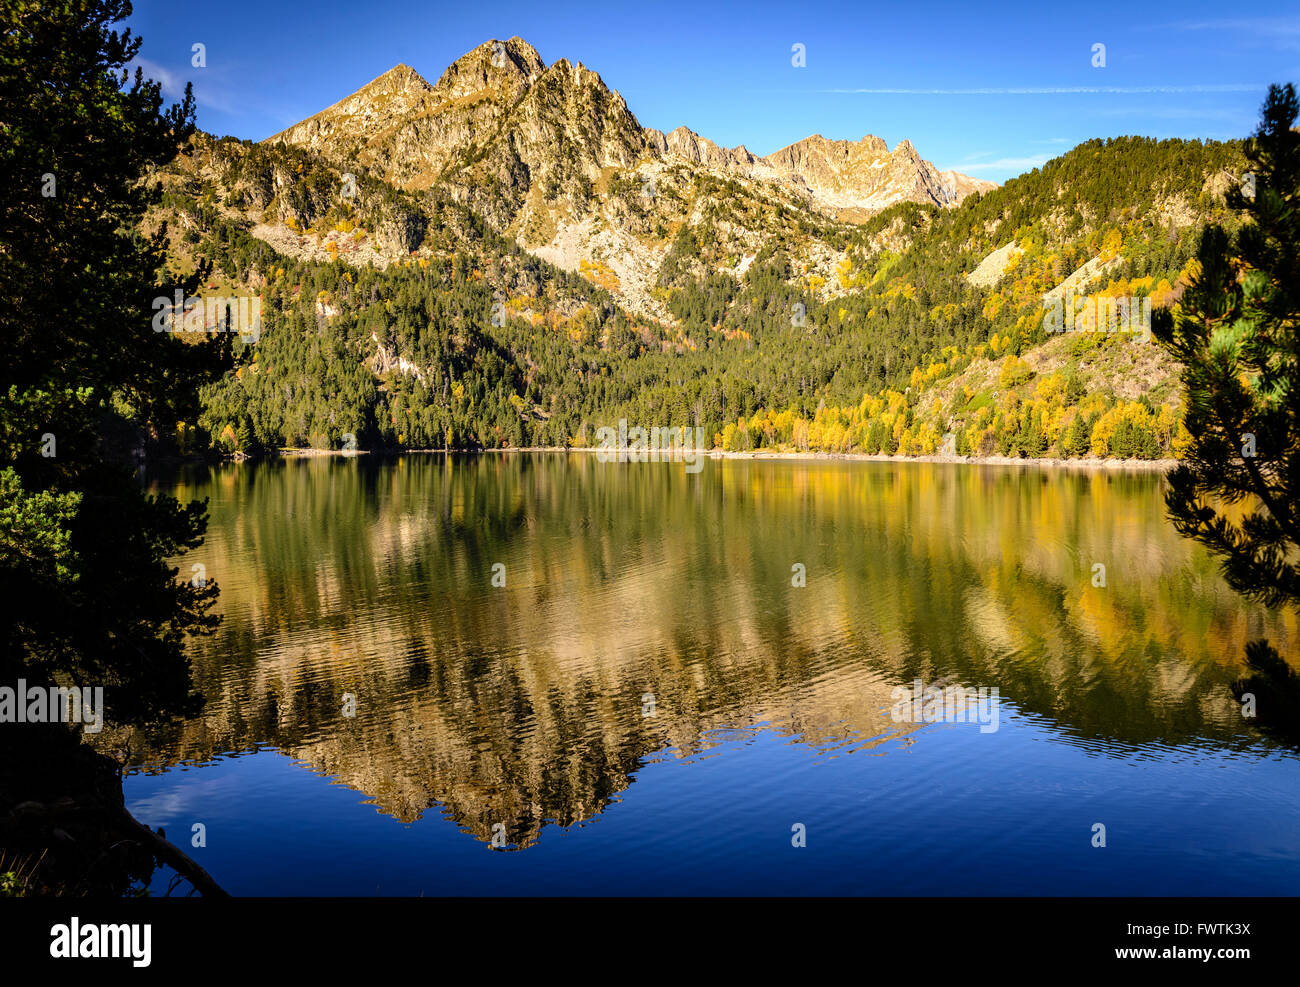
x: 543, y: 674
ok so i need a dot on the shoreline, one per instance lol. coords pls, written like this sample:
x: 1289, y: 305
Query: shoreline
x: 770, y: 455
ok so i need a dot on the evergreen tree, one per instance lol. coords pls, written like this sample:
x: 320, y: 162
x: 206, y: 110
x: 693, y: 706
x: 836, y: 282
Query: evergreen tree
x: 1235, y: 334
x: 88, y: 595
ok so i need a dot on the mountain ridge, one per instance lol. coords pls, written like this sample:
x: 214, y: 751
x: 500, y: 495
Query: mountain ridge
x: 841, y: 178
x: 411, y: 319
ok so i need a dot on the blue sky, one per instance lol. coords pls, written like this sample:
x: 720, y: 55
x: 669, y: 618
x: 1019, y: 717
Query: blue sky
x: 991, y: 90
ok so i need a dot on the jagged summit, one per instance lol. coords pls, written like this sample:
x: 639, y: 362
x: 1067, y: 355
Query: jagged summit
x: 500, y: 103
x: 513, y: 63
x: 395, y: 93
x: 847, y: 178
x: 399, y: 77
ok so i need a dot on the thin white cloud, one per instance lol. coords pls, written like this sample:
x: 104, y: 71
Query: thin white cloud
x: 1253, y: 25
x: 173, y: 85
x: 1276, y: 33
x: 1004, y: 164
x: 1054, y: 90
x: 1172, y: 113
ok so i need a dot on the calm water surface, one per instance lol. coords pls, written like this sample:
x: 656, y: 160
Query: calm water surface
x: 520, y: 711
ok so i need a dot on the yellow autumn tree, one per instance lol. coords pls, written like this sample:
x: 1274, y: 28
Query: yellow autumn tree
x: 1014, y: 371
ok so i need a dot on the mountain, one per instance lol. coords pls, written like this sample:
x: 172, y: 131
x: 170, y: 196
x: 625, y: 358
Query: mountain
x: 492, y: 95
x: 552, y: 157
x: 406, y: 130
x: 508, y: 258
x: 846, y: 179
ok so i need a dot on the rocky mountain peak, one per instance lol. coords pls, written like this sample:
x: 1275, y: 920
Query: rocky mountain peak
x: 399, y: 91
x: 526, y: 144
x: 400, y: 78
x: 687, y: 145
x: 512, y: 65
x: 852, y: 179
x: 906, y: 149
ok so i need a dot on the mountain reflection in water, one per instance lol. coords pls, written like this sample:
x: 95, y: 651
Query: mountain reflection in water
x: 649, y: 615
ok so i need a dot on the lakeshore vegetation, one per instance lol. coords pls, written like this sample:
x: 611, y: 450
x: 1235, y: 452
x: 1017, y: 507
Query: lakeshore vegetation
x: 466, y: 341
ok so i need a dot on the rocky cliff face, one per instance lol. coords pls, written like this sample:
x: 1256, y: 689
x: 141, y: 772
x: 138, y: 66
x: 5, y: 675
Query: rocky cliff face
x: 686, y: 145
x: 499, y: 121
x: 959, y: 186
x: 549, y: 150
x: 865, y: 176
x: 406, y: 130
x: 552, y: 157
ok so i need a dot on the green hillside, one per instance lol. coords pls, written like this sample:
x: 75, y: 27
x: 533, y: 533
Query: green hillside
x: 402, y: 318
